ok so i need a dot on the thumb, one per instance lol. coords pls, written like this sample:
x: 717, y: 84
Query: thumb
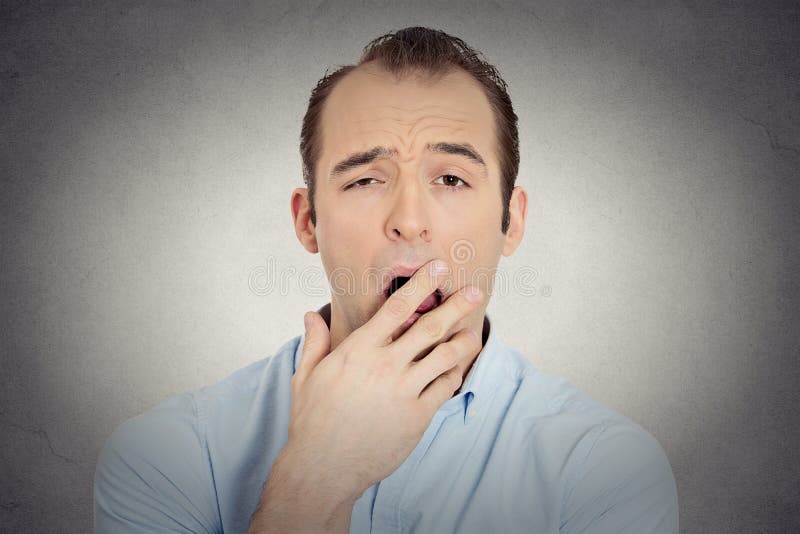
x: 316, y: 344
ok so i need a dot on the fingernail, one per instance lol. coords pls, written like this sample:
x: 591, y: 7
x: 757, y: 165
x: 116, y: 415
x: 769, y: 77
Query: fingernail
x: 472, y: 294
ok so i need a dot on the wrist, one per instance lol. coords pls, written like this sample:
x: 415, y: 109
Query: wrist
x: 298, y: 498
x: 308, y: 478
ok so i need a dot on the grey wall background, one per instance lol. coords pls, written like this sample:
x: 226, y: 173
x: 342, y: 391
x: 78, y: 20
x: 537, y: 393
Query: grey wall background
x: 149, y: 150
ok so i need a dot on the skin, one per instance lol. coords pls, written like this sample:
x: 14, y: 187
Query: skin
x: 367, y: 387
x: 405, y: 210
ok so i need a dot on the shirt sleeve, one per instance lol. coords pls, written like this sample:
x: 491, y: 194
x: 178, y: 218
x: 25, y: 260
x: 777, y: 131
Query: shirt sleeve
x: 625, y: 485
x: 153, y: 474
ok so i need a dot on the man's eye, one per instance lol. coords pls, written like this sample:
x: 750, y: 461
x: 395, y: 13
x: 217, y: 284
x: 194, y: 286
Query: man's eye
x: 359, y: 183
x: 452, y: 181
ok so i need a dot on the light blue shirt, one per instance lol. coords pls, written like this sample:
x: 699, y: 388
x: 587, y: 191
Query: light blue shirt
x: 516, y: 450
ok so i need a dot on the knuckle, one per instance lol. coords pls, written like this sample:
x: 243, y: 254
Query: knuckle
x: 448, y: 355
x: 473, y: 340
x: 431, y: 326
x: 310, y: 344
x: 455, y: 379
x: 382, y: 367
x: 398, y: 308
x: 464, y: 306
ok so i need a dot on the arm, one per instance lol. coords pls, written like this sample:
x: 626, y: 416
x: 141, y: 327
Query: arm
x: 293, y: 502
x: 358, y: 411
x: 152, y: 475
x: 625, y: 485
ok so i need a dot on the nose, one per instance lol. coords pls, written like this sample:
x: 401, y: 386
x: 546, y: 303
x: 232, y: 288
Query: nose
x: 408, y: 219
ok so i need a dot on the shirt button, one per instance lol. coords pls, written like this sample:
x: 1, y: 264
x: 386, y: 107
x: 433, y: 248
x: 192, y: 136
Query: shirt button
x: 472, y: 413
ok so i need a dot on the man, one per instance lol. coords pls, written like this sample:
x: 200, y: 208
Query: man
x: 398, y: 409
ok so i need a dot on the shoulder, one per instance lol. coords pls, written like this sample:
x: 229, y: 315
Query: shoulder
x: 624, y: 483
x: 615, y: 475
x: 158, y: 432
x: 551, y: 403
x: 180, y: 421
x: 155, y: 470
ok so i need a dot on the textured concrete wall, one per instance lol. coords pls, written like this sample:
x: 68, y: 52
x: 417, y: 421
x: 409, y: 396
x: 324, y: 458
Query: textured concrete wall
x: 147, y: 154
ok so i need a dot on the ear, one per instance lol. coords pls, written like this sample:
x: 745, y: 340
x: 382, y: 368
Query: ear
x: 301, y: 213
x: 517, y: 212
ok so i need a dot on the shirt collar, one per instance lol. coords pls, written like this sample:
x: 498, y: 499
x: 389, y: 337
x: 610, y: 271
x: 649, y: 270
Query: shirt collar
x: 478, y: 387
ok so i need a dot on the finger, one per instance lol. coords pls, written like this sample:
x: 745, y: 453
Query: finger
x: 401, y: 305
x: 316, y: 345
x: 441, y: 389
x: 437, y: 324
x: 443, y: 359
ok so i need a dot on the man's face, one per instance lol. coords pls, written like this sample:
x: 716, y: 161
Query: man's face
x: 414, y: 202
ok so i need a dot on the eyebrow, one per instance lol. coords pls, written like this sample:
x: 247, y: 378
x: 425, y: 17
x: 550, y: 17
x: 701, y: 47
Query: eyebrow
x: 459, y: 149
x: 359, y: 159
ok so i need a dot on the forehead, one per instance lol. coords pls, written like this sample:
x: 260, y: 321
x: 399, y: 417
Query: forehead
x: 371, y: 107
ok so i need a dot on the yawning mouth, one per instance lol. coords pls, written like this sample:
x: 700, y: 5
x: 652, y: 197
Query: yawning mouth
x: 432, y: 300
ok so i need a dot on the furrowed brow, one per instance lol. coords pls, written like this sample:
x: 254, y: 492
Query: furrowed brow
x: 459, y: 149
x: 358, y: 159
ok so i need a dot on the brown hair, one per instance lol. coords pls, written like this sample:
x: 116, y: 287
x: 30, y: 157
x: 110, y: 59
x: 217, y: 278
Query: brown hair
x: 432, y: 52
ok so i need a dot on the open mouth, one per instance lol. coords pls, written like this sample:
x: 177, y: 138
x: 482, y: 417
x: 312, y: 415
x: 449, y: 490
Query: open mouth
x: 430, y: 302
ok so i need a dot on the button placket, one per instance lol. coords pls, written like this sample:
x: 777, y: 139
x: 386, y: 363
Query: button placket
x: 387, y: 515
